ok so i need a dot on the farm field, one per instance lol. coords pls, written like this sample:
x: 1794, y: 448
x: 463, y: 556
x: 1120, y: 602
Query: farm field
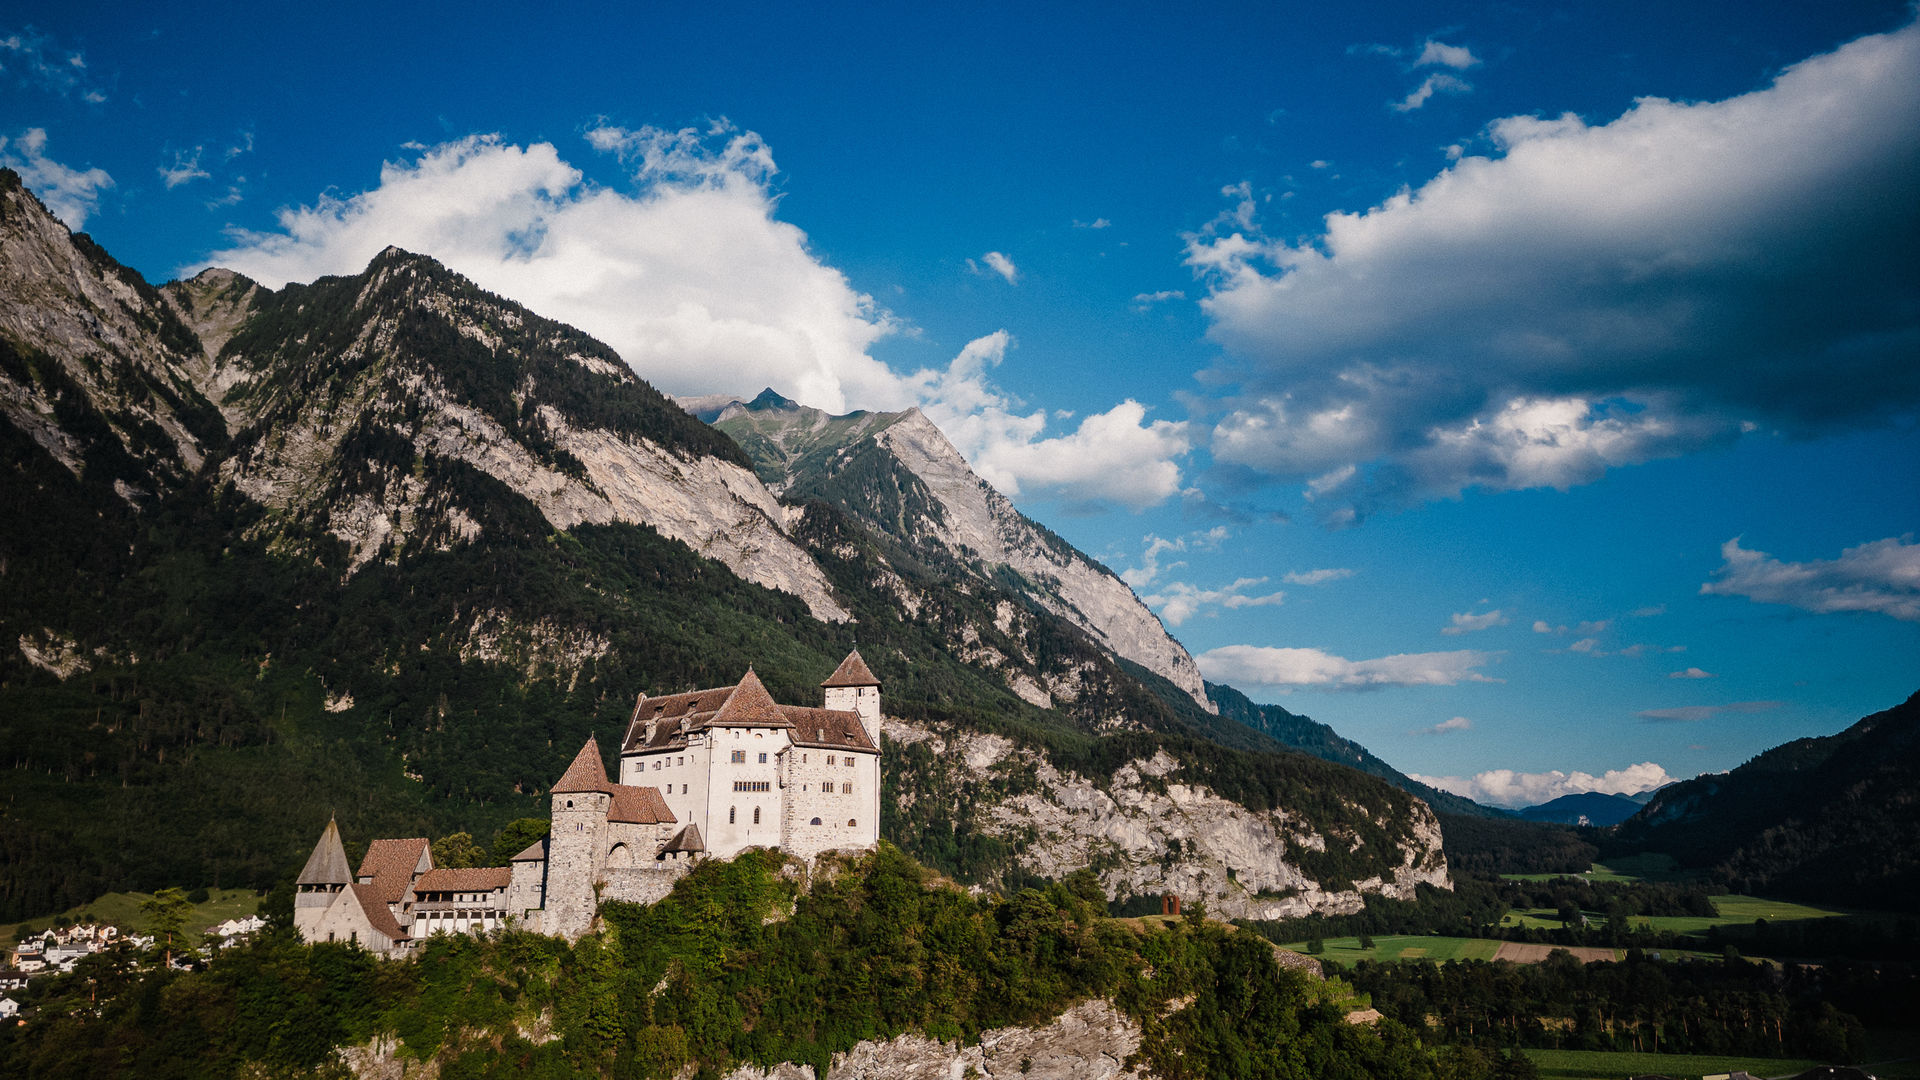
x: 1346, y: 951
x: 122, y: 909
x: 1611, y: 1065
x: 1647, y: 867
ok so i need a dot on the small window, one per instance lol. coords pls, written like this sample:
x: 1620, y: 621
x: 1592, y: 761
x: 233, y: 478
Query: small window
x: 730, y: 813
x: 829, y: 759
x: 569, y: 804
x: 815, y: 821
x: 763, y: 757
x: 680, y: 761
x: 803, y: 759
x: 656, y: 766
x: 683, y: 789
x: 739, y: 757
x: 851, y: 824
x: 756, y: 815
x: 846, y: 789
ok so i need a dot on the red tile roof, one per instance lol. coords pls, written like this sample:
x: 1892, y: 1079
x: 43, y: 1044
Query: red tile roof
x: 376, y: 912
x: 534, y: 852
x: 830, y: 728
x: 639, y: 805
x: 465, y: 879
x: 749, y: 706
x: 852, y: 671
x: 587, y: 773
x: 391, y: 863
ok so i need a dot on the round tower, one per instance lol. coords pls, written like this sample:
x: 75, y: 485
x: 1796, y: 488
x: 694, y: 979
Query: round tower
x: 576, y: 847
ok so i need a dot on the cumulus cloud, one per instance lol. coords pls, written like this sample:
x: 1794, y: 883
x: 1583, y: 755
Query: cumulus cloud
x: 1505, y: 787
x: 994, y: 262
x: 1256, y: 665
x: 1316, y: 577
x: 1690, y: 673
x: 1590, y: 296
x: 1882, y: 576
x: 1115, y: 457
x: 1178, y: 601
x: 1466, y: 623
x: 689, y: 274
x: 1447, y: 727
x: 1688, y: 714
x: 71, y: 194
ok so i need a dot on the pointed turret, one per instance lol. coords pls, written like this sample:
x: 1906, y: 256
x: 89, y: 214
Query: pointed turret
x: 587, y: 773
x: 852, y: 671
x: 328, y: 863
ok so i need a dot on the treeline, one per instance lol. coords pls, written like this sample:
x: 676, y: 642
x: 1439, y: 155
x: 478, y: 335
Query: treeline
x: 736, y: 966
x: 1488, y: 847
x: 1642, y: 1004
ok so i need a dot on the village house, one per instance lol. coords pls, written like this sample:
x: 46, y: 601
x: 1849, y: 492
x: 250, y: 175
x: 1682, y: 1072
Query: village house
x: 705, y: 774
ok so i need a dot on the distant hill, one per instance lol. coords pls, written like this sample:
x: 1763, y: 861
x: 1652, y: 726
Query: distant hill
x: 1585, y: 808
x: 1834, y: 819
x: 1312, y: 737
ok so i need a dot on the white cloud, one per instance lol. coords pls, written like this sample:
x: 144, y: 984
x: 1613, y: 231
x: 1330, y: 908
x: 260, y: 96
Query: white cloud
x: 1096, y: 223
x: 689, y: 275
x: 1143, y: 301
x: 1316, y: 577
x: 995, y: 263
x: 1115, y: 457
x: 1688, y: 714
x: 1599, y: 626
x: 1882, y: 576
x: 1178, y: 601
x: 1465, y: 623
x: 1447, y: 727
x: 1153, y: 547
x: 1690, y: 673
x: 71, y: 194
x: 185, y: 168
x: 34, y: 60
x: 1590, y: 296
x: 1255, y: 665
x: 1457, y: 57
x: 1437, y: 83
x: 1504, y: 787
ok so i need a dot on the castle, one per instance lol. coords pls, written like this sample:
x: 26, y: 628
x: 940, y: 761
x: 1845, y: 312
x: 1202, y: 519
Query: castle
x: 703, y: 775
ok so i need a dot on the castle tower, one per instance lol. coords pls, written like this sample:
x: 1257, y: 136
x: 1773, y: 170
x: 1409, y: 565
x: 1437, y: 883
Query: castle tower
x: 852, y: 687
x: 577, y: 845
x: 321, y: 881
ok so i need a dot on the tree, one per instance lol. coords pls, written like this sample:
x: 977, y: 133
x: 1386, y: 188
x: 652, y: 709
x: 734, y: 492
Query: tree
x: 457, y: 850
x: 1366, y: 941
x: 515, y: 836
x: 167, y: 912
x: 1315, y: 946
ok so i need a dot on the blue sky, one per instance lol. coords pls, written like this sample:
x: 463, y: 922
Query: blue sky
x: 1527, y: 391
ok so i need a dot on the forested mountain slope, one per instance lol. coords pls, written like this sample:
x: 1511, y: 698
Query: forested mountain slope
x: 1834, y: 819
x: 389, y: 547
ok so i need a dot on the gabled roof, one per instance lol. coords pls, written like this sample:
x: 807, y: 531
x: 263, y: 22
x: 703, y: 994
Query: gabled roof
x: 465, y: 879
x: 375, y: 909
x: 852, y: 671
x: 587, y: 773
x: 828, y: 728
x: 328, y: 863
x: 392, y: 863
x: 534, y: 852
x: 639, y: 806
x: 749, y: 706
x: 687, y: 840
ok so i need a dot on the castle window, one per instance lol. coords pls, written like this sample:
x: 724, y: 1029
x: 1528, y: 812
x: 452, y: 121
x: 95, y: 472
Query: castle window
x: 656, y: 766
x: 680, y: 761
x: 846, y: 789
x: 815, y: 821
x: 739, y: 757
x: 851, y: 824
x: 683, y: 789
x: 803, y: 759
x: 829, y: 759
x: 730, y: 814
x: 763, y: 757
x: 569, y: 804
x: 756, y: 815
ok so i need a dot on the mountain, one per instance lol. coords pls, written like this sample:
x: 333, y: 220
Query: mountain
x: 897, y: 473
x: 389, y: 547
x: 1832, y: 819
x: 1585, y: 808
x: 1312, y: 737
